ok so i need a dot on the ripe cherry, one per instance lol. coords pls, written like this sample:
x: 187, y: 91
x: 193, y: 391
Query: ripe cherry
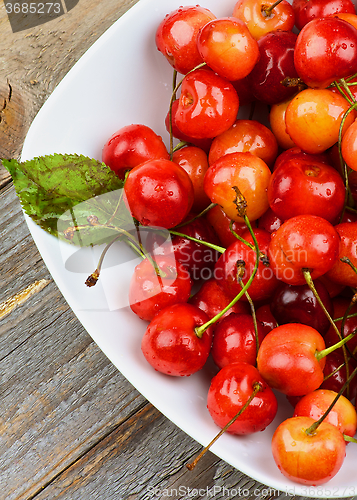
x: 298, y: 304
x: 176, y: 36
x: 313, y: 119
x: 261, y: 18
x: 305, y: 185
x: 212, y: 299
x: 244, y: 171
x: 306, y: 10
x: 235, y: 340
x: 308, y: 458
x: 223, y: 42
x: 287, y: 359
x: 159, y: 193
x: 303, y: 242
x: 229, y: 391
x: 170, y: 343
x: 343, y: 414
x: 275, y: 65
x: 132, y: 145
x: 245, y: 136
x: 153, y: 289
x: 342, y: 272
x: 208, y: 105
x: 326, y: 50
x: 227, y: 268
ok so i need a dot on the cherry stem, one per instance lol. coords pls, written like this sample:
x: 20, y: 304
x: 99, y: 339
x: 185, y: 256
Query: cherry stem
x: 312, y: 429
x: 201, y: 329
x: 263, y: 257
x: 252, y: 308
x: 201, y: 214
x: 196, y: 240
x: 349, y: 438
x: 346, y: 260
x: 266, y: 10
x: 342, y: 162
x: 319, y: 355
x: 257, y: 386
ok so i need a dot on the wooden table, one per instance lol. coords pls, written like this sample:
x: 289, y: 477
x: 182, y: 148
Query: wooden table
x: 71, y: 426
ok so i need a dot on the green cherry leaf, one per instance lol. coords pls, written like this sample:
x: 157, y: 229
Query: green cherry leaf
x: 49, y: 187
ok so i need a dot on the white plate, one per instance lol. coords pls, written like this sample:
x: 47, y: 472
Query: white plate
x: 123, y: 79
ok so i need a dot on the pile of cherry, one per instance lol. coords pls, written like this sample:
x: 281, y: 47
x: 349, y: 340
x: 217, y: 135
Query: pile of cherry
x: 262, y: 219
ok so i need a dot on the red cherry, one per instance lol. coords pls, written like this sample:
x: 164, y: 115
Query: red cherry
x: 326, y: 50
x: 341, y: 272
x: 306, y: 10
x: 149, y: 292
x: 176, y: 36
x: 170, y: 343
x: 306, y: 186
x: 226, y: 270
x: 159, y: 193
x: 208, y: 105
x: 235, y: 340
x: 230, y: 390
x: 287, y: 359
x: 303, y: 242
x: 130, y: 146
x: 276, y: 63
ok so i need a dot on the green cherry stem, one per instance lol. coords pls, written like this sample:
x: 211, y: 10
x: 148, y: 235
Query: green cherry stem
x: 201, y: 329
x: 252, y: 308
x: 321, y: 354
x: 349, y: 438
x: 266, y: 10
x: 196, y: 240
x: 256, y: 388
x: 308, y: 279
x: 201, y: 214
x: 312, y: 429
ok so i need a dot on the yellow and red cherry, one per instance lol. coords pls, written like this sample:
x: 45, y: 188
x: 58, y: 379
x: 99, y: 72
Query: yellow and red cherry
x: 315, y: 457
x: 245, y: 136
x: 244, y: 171
x: 343, y: 414
x: 176, y: 36
x: 349, y: 146
x: 221, y: 223
x: 313, y: 119
x: 278, y: 124
x: 261, y: 17
x: 223, y: 42
x: 208, y: 105
x: 287, y: 359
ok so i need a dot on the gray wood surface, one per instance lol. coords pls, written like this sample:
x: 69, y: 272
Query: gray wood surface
x: 71, y: 426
